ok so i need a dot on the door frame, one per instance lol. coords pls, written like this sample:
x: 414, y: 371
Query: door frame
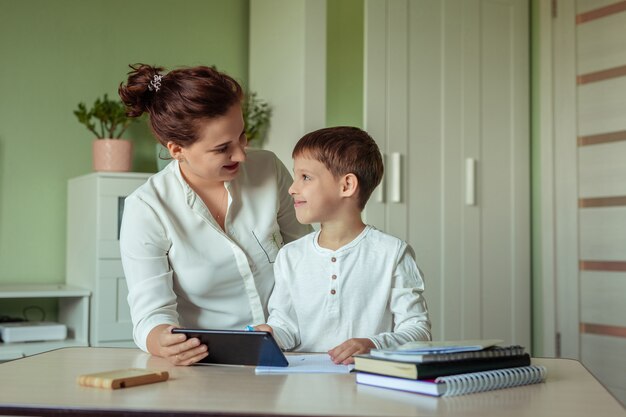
x: 556, y: 217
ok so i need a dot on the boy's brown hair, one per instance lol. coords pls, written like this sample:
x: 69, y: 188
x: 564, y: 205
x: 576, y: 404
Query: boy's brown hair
x: 345, y: 150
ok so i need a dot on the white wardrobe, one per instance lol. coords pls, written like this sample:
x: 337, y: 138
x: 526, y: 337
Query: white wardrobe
x: 447, y: 98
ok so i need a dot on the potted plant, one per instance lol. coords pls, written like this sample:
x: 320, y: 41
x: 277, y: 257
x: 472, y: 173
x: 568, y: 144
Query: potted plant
x: 107, y: 120
x: 256, y: 115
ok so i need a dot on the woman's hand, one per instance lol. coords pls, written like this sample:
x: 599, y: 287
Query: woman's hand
x: 175, y: 347
x: 264, y: 328
x: 342, y: 354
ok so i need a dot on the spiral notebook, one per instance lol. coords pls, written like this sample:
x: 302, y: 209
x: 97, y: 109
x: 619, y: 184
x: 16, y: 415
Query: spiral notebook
x: 409, y: 356
x: 460, y: 384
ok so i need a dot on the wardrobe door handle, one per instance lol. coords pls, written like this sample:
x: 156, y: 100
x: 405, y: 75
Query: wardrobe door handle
x: 396, y: 177
x: 380, y: 192
x: 470, y: 181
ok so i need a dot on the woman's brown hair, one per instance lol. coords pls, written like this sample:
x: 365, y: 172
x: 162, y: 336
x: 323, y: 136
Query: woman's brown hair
x: 178, y: 100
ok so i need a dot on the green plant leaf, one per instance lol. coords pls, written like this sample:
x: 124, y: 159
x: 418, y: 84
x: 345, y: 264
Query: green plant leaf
x: 257, y: 114
x: 110, y: 116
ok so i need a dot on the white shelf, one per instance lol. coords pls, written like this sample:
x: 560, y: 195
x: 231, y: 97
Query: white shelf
x: 11, y: 351
x: 73, y: 312
x: 41, y: 291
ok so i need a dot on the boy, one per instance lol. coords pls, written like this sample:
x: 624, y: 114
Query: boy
x: 347, y: 288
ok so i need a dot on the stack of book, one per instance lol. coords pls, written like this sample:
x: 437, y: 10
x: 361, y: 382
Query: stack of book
x: 448, y: 368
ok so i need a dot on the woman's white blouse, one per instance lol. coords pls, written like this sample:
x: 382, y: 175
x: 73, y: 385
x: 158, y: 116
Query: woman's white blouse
x: 182, y: 269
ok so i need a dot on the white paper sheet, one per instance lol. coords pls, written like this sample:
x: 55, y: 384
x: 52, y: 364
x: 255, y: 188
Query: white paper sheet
x: 312, y: 364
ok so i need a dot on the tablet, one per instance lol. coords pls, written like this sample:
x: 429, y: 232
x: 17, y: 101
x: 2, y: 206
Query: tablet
x: 238, y: 347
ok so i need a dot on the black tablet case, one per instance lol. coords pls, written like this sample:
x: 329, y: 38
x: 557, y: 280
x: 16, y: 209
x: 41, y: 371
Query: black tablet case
x: 238, y: 347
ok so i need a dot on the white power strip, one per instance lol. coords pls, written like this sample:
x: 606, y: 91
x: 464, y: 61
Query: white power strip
x: 32, y: 331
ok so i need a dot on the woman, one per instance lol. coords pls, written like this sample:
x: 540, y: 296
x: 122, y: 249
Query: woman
x: 199, y: 238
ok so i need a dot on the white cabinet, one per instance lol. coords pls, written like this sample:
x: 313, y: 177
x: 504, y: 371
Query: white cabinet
x: 95, y: 204
x: 73, y: 311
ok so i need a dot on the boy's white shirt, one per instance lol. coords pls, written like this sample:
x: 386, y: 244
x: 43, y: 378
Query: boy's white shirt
x: 377, y: 293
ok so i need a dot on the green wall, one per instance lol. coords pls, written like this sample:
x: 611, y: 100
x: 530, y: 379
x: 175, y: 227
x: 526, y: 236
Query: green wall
x: 344, y: 63
x: 55, y: 54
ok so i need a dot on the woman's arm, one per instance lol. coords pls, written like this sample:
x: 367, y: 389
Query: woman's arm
x: 144, y: 249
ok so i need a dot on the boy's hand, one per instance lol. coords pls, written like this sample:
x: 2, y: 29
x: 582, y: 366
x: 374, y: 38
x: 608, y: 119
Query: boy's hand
x: 264, y: 328
x: 342, y: 354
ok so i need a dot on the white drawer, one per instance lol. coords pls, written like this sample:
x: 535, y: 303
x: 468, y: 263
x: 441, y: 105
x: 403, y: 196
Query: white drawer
x: 112, y: 311
x: 110, y: 206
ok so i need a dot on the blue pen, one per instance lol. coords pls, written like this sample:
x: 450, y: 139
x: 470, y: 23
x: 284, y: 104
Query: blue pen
x: 249, y: 328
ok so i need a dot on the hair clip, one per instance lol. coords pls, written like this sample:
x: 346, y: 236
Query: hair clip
x: 155, y: 84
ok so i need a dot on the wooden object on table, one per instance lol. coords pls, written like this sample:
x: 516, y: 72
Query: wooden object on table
x: 122, y: 378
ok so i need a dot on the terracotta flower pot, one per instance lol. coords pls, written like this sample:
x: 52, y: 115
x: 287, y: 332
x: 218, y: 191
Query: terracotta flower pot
x: 112, y: 155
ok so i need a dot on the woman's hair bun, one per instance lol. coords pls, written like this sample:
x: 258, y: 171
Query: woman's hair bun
x: 139, y: 91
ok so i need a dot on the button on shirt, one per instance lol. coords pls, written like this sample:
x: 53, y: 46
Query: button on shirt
x: 369, y: 288
x: 183, y: 269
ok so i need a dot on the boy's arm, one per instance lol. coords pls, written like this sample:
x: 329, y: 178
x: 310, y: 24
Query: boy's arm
x: 282, y: 316
x: 407, y: 304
